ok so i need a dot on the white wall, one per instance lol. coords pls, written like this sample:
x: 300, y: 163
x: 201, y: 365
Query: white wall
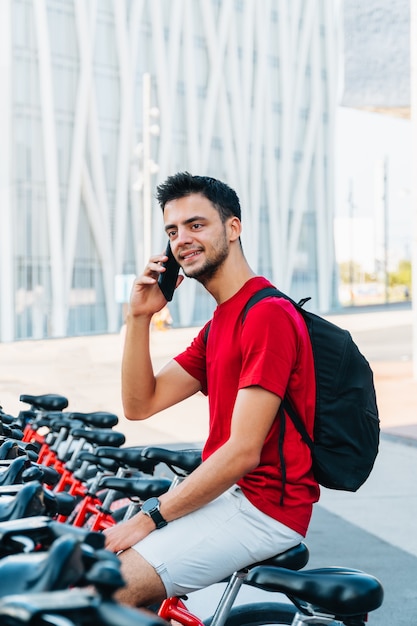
x: 247, y: 92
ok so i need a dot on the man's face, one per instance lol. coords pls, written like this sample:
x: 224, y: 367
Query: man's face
x: 198, y: 236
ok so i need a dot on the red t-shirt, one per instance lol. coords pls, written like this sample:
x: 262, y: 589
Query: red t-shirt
x: 271, y: 349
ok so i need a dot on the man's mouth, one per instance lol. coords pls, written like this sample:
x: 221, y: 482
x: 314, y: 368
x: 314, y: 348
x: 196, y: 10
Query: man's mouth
x: 189, y: 255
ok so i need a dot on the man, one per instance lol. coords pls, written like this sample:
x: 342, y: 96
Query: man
x: 236, y: 507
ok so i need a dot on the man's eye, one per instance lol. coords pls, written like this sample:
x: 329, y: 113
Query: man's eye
x: 171, y: 233
x: 196, y: 226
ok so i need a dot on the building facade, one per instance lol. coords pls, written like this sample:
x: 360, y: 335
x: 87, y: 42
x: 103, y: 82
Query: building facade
x: 103, y: 99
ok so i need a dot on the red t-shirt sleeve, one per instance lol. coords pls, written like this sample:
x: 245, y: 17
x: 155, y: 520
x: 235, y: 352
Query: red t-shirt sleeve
x: 193, y: 359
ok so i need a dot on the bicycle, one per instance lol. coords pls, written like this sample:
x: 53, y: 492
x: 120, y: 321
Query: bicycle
x: 332, y: 595
x: 40, y: 406
x: 48, y: 588
x: 73, y: 451
x: 69, y: 608
x: 321, y: 596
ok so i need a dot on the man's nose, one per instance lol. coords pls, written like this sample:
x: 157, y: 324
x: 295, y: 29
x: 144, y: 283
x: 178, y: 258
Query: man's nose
x: 183, y: 237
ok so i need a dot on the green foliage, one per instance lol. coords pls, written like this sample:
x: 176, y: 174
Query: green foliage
x: 397, y: 287
x: 353, y: 273
x: 350, y: 272
x: 402, y: 276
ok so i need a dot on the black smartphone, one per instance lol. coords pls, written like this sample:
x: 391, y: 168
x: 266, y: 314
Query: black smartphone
x: 168, y: 279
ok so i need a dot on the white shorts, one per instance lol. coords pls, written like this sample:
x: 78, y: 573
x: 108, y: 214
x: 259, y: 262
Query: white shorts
x: 208, y: 545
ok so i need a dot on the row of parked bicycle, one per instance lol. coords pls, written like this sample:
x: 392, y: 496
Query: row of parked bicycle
x: 66, y: 476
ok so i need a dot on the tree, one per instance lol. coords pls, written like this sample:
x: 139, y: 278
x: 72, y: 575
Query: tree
x: 402, y: 276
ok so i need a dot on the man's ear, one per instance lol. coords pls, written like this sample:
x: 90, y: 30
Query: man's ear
x: 235, y: 228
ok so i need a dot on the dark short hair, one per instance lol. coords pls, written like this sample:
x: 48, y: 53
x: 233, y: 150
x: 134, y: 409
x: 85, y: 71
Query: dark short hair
x: 223, y: 197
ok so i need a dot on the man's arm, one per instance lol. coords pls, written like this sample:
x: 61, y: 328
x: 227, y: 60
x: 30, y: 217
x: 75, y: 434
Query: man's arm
x: 143, y: 393
x: 254, y: 413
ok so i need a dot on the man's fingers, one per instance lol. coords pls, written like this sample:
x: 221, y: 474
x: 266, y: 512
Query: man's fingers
x: 155, y: 265
x: 145, y: 280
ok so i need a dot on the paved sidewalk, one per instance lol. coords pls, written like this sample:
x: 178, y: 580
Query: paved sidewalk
x: 374, y: 529
x: 87, y: 371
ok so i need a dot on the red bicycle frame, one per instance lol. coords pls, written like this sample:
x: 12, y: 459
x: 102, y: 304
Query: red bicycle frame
x: 89, y: 505
x: 175, y: 609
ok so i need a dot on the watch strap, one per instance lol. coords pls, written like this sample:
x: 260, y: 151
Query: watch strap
x: 156, y: 516
x: 153, y: 512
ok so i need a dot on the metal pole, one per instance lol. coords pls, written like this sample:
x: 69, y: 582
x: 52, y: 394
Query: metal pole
x: 7, y: 319
x: 147, y: 200
x: 386, y: 231
x: 413, y: 182
x: 351, y: 242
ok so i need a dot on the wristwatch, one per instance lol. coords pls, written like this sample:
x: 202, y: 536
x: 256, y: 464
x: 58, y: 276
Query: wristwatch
x: 151, y: 508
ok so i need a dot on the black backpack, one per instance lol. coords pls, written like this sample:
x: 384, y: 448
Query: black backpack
x: 346, y: 426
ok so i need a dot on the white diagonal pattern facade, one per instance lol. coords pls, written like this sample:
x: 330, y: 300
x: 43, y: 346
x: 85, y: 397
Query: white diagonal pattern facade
x: 246, y: 92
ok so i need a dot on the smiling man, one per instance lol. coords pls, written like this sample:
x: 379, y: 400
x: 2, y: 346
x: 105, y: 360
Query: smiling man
x: 240, y: 505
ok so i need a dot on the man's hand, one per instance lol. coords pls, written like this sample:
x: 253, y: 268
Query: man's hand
x: 146, y: 298
x: 126, y: 534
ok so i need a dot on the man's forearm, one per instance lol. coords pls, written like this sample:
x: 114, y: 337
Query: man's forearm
x: 207, y: 482
x: 254, y: 414
x: 138, y: 379
x: 217, y: 474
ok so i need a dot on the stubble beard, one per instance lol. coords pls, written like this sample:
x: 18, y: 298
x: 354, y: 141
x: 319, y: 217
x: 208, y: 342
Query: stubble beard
x: 212, y: 264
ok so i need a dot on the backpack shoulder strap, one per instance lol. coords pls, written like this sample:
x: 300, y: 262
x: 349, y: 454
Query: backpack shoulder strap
x: 298, y: 423
x: 267, y: 292
x: 259, y: 295
x: 206, y: 332
x: 286, y: 407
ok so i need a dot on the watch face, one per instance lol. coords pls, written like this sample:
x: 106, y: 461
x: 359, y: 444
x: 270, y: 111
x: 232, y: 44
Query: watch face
x: 151, y: 508
x: 150, y: 505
